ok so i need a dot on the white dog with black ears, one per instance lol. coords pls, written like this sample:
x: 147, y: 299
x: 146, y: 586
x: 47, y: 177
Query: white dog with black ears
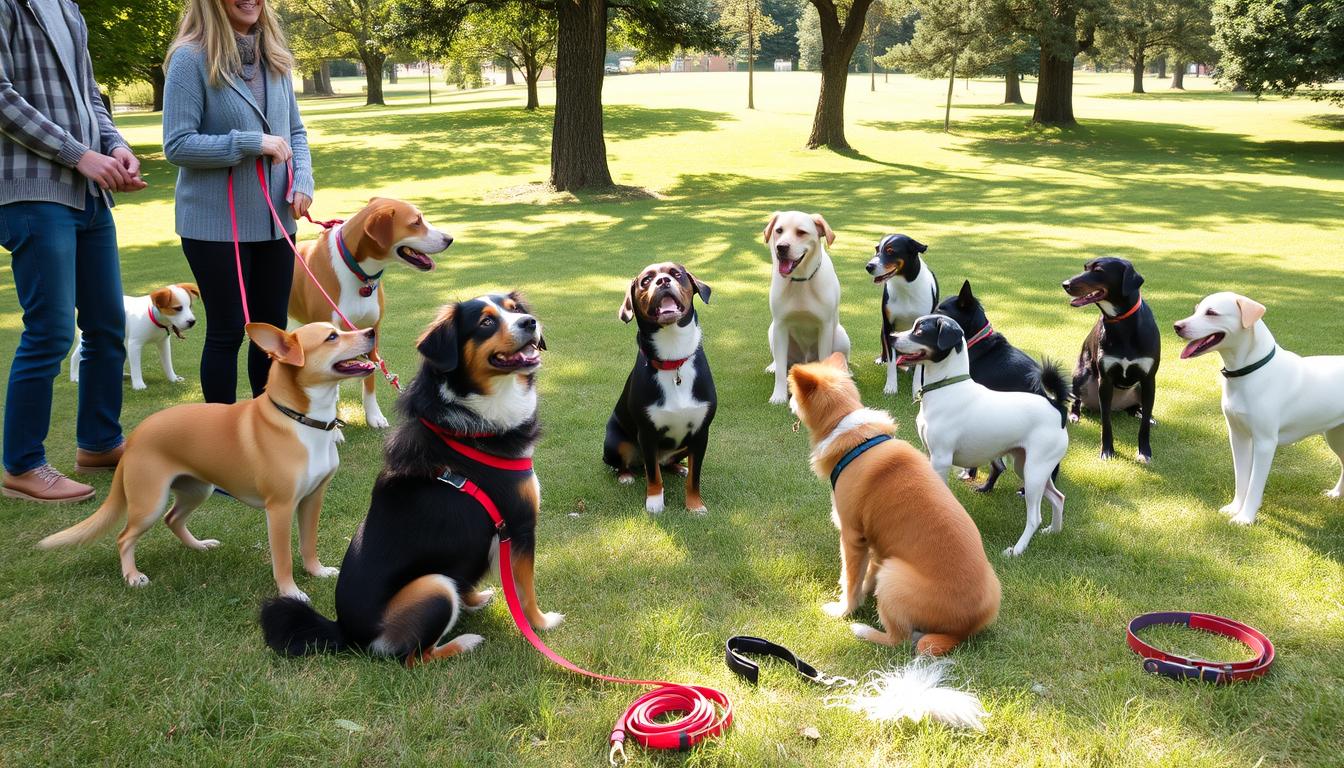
x: 1271, y: 396
x: 804, y: 296
x: 966, y: 424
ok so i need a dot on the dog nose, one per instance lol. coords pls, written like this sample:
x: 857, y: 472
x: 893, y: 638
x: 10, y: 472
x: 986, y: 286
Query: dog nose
x: 1178, y: 325
x: 662, y: 280
x: 447, y: 240
x: 371, y: 334
x: 782, y: 248
x: 528, y: 323
x: 191, y: 323
x: 872, y: 266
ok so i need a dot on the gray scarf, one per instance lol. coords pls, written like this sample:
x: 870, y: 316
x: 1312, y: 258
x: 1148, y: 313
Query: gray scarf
x: 247, y: 52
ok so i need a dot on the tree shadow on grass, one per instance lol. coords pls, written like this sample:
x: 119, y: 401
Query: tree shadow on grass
x: 1167, y: 94
x: 1330, y: 121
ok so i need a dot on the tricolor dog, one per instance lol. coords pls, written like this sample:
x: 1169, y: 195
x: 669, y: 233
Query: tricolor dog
x: 1120, y: 354
x: 276, y: 453
x: 348, y: 262
x: 909, y: 290
x: 967, y: 424
x: 1271, y: 396
x: 903, y: 536
x: 664, y: 412
x: 152, y: 319
x: 468, y: 430
x: 804, y: 296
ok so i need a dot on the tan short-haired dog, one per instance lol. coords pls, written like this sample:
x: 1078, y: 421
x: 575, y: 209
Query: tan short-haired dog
x: 349, y: 261
x: 277, y: 453
x: 903, y: 536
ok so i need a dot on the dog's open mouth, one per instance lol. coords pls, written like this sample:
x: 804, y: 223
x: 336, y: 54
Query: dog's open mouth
x: 1089, y: 298
x: 786, y: 265
x: 527, y: 356
x: 906, y: 358
x: 360, y: 365
x: 669, y: 310
x: 884, y: 278
x: 1200, y: 346
x: 415, y: 258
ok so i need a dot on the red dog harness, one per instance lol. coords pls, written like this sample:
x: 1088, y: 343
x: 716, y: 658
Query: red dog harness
x: 706, y: 712
x: 1179, y: 667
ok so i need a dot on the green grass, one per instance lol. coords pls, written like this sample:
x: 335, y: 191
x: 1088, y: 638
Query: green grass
x: 1203, y: 190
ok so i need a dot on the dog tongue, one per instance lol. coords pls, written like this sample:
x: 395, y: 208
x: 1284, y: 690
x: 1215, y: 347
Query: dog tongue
x: 668, y: 304
x: 786, y: 267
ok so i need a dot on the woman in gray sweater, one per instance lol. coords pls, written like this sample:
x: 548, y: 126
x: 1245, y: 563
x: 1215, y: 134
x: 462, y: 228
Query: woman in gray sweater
x: 229, y: 100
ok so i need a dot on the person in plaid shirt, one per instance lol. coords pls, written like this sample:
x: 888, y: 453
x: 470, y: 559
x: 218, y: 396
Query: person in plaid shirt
x: 61, y: 158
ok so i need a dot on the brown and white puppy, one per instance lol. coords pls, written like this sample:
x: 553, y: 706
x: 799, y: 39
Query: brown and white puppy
x: 668, y: 402
x: 151, y: 320
x: 903, y: 536
x: 349, y: 261
x: 415, y: 563
x: 276, y: 453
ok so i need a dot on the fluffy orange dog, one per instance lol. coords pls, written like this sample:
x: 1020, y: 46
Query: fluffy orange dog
x: 349, y: 261
x: 903, y: 536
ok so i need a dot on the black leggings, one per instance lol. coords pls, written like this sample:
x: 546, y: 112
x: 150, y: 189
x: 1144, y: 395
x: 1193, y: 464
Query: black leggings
x: 268, y: 270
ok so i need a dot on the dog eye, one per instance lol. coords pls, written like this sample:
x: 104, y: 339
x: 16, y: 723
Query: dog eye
x: 332, y: 337
x: 891, y: 250
x: 779, y: 230
x: 645, y: 280
x: 676, y: 274
x: 177, y: 308
x: 487, y: 321
x: 1210, y: 313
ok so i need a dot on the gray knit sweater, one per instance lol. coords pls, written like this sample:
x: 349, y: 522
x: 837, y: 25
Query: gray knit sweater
x: 209, y: 131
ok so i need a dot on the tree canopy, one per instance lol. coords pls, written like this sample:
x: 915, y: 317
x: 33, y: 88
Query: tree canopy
x: 1281, y: 46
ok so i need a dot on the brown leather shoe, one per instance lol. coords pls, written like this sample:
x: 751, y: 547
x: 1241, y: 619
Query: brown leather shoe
x: 104, y: 461
x: 45, y: 484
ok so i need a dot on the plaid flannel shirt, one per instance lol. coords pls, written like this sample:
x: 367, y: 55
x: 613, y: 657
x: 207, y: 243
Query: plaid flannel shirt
x: 40, y: 134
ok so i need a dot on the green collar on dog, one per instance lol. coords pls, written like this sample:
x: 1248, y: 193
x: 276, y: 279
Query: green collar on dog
x: 949, y: 381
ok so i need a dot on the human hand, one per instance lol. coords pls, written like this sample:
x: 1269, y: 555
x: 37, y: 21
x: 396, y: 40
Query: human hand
x: 276, y: 148
x: 131, y: 164
x: 300, y: 204
x: 105, y: 171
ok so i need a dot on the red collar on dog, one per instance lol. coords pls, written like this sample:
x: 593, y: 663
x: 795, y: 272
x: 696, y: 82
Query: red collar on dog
x: 983, y: 334
x: 1179, y: 667
x: 155, y: 320
x: 370, y: 282
x: 490, y: 460
x: 1128, y: 314
x: 669, y: 365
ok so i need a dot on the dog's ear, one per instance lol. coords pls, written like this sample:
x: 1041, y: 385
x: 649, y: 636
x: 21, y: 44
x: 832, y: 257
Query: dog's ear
x: 701, y: 289
x: 825, y: 228
x: 770, y: 227
x: 838, y: 360
x: 162, y: 298
x: 1251, y: 311
x: 949, y: 333
x: 438, y: 345
x: 281, y: 346
x: 190, y: 288
x: 378, y: 227
x: 802, y: 382
x: 1131, y: 281
x: 627, y: 311
x: 965, y: 299
x: 918, y: 246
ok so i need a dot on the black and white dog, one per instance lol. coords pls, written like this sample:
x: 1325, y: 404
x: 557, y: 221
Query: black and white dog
x: 1120, y: 354
x: 966, y: 424
x: 912, y: 294
x: 999, y: 365
x: 668, y: 402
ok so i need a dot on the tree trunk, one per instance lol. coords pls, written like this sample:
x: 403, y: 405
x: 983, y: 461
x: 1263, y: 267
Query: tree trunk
x: 951, y: 80
x: 1178, y: 75
x: 531, y: 74
x: 1138, y: 71
x: 373, y: 76
x: 1012, y: 84
x: 508, y: 74
x: 872, y: 66
x: 1162, y: 67
x: 837, y: 49
x: 310, y: 83
x: 391, y: 73
x: 156, y: 81
x: 751, y: 46
x: 324, y: 80
x: 578, y: 149
x: 1054, y: 90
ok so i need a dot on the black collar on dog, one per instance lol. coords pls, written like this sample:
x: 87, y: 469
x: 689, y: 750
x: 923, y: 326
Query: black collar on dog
x: 325, y: 426
x: 949, y: 381
x: 809, y: 277
x: 736, y: 647
x: 1253, y: 367
x: 855, y: 453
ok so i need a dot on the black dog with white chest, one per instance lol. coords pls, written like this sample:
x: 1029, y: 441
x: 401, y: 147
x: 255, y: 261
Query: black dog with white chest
x: 469, y: 427
x: 997, y: 364
x: 1122, y: 352
x: 668, y: 402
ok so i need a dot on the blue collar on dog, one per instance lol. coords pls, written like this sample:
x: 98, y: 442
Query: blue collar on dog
x: 855, y: 453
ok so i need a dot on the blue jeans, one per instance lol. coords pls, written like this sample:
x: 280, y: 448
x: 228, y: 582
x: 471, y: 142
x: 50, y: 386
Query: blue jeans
x: 63, y: 260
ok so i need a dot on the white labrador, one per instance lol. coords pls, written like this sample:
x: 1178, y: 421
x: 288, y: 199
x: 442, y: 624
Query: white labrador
x: 804, y: 296
x: 1271, y: 397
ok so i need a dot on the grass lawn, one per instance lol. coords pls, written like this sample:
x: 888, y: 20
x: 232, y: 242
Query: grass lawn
x: 1203, y: 190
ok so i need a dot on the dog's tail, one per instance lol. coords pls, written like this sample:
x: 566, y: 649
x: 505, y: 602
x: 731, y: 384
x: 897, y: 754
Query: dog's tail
x: 95, y: 525
x: 1056, y: 388
x: 915, y: 692
x: 292, y: 627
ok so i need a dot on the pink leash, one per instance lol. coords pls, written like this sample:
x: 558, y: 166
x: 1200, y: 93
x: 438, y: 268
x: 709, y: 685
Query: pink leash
x: 275, y: 215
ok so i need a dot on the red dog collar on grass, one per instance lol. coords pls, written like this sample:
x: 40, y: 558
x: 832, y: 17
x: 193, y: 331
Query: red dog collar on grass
x: 1179, y: 667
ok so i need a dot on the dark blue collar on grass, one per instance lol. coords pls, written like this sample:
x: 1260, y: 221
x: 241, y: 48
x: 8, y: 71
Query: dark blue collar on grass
x: 855, y: 453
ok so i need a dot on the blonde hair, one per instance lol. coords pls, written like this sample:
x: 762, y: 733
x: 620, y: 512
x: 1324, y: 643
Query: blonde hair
x: 206, y: 24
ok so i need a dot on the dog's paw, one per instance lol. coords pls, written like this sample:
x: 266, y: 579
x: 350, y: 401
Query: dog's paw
x: 1049, y: 529
x: 698, y: 510
x: 377, y: 421
x: 324, y: 571
x: 137, y: 579
x: 479, y: 599
x: 653, y: 504
x: 139, y: 386
x: 779, y: 398
x: 207, y: 544
x: 625, y: 478
x: 1107, y: 455
x: 296, y: 593
x: 1074, y: 418
x: 177, y: 379
x: 770, y: 368
x: 1014, y: 551
x: 467, y: 642
x: 865, y: 632
x: 1143, y: 458
x: 551, y: 620
x: 1243, y: 519
x: 835, y: 610
x: 891, y: 389
x: 1230, y: 508
x: 1332, y: 493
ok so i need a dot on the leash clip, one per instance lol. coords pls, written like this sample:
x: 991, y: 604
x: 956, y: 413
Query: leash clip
x: 616, y: 756
x: 453, y: 479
